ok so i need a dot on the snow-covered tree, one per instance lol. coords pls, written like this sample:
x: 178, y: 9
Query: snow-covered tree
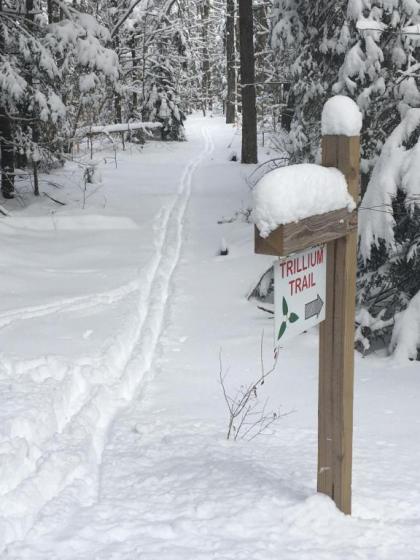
x: 309, y: 42
x: 380, y: 67
x: 390, y: 239
x: 54, y: 69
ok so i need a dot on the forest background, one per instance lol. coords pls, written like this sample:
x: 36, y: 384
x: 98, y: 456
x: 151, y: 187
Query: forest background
x: 73, y: 69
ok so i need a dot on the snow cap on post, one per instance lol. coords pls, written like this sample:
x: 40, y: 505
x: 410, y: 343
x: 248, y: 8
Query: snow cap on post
x: 341, y: 117
x: 293, y: 193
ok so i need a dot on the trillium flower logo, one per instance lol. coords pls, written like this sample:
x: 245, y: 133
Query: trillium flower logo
x: 287, y: 318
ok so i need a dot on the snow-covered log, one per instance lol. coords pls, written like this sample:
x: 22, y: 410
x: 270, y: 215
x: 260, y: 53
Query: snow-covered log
x: 113, y: 128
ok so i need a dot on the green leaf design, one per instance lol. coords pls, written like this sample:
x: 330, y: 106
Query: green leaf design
x: 293, y: 318
x: 285, y: 307
x: 282, y: 330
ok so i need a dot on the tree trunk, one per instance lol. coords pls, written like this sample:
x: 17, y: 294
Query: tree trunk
x: 51, y: 11
x: 206, y: 59
x: 249, y: 111
x: 7, y: 156
x: 134, y: 60
x: 35, y: 128
x: 231, y: 60
x: 6, y: 141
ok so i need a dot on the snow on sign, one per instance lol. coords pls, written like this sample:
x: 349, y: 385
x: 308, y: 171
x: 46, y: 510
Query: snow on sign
x: 299, y: 292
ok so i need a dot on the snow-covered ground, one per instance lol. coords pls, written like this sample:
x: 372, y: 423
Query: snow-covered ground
x: 112, y: 433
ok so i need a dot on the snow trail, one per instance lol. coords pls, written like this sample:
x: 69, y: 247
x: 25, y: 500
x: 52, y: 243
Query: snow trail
x: 75, y: 450
x: 162, y: 483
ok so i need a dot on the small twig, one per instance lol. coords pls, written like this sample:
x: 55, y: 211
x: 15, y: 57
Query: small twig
x: 265, y: 309
x: 54, y: 199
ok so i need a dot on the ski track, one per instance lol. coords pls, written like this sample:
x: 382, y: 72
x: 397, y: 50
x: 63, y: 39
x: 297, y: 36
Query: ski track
x: 80, y: 303
x: 75, y: 451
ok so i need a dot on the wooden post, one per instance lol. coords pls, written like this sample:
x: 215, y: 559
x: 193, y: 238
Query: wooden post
x: 336, y: 352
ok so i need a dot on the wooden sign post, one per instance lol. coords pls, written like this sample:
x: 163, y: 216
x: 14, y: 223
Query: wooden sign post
x: 336, y: 351
x: 336, y: 348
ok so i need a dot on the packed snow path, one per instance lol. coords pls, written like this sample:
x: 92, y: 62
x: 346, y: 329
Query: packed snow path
x: 136, y: 464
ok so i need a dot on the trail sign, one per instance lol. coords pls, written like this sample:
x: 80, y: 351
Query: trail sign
x: 299, y: 292
x: 304, y: 281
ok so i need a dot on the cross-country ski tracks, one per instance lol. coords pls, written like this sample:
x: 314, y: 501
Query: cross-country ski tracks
x: 74, y: 453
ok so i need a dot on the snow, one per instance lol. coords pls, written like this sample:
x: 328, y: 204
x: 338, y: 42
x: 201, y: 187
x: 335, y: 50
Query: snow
x: 341, y: 116
x: 112, y: 420
x: 412, y: 31
x: 398, y: 167
x: 405, y: 341
x: 367, y: 24
x: 295, y: 192
x: 119, y: 127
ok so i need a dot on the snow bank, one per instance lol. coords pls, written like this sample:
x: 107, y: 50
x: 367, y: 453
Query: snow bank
x: 341, y: 116
x: 93, y: 222
x: 295, y: 192
x: 406, y: 334
x: 398, y: 167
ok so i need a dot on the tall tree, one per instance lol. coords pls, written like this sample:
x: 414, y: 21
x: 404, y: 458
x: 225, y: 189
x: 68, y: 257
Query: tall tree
x: 205, y: 17
x: 231, y: 62
x: 249, y: 110
x: 6, y: 135
x: 30, y: 16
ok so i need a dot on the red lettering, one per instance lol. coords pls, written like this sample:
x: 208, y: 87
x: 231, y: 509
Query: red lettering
x: 320, y: 256
x: 289, y: 268
x: 291, y: 284
x: 313, y: 259
x: 282, y: 266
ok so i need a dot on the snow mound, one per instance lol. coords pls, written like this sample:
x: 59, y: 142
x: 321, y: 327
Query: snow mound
x: 406, y: 334
x: 292, y: 193
x: 68, y: 223
x: 341, y: 116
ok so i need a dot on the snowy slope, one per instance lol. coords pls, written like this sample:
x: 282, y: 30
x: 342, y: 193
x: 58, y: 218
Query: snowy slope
x: 113, y: 422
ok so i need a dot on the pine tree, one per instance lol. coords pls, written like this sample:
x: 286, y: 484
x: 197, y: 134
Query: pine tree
x: 308, y: 41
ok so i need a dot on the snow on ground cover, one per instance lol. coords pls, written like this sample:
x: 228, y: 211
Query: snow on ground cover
x: 168, y: 485
x: 406, y: 333
x: 291, y: 193
x: 341, y: 116
x: 93, y: 299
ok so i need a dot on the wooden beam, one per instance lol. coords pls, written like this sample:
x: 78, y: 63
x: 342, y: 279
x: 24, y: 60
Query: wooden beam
x: 297, y: 236
x: 336, y: 358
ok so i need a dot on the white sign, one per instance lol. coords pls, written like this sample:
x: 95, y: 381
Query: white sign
x: 299, y: 292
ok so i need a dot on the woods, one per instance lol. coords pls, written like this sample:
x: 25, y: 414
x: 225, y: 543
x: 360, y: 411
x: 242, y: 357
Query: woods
x: 268, y: 65
x: 210, y: 216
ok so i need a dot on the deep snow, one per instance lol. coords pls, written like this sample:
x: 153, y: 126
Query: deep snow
x: 112, y: 417
x: 295, y: 192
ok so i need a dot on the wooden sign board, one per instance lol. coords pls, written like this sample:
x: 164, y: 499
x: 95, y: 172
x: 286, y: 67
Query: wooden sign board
x: 296, y: 236
x: 299, y: 292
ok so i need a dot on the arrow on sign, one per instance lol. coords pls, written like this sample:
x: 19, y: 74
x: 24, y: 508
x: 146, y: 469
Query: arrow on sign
x: 313, y: 308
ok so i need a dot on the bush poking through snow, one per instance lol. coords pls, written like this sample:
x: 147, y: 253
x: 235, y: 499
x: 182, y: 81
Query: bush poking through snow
x: 224, y: 251
x: 248, y: 416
